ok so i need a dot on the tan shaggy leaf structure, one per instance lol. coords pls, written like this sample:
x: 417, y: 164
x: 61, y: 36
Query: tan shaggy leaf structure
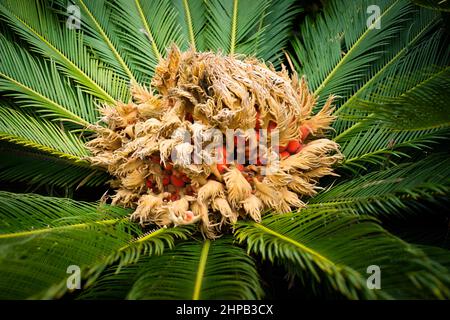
x: 148, y: 144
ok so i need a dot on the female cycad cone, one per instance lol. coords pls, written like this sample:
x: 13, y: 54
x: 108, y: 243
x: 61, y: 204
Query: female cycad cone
x: 145, y: 148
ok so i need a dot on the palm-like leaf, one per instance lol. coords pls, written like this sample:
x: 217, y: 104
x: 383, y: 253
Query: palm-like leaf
x: 104, y: 36
x: 192, y: 19
x: 313, y: 244
x: 40, y: 169
x: 199, y: 271
x: 434, y: 4
x: 37, y: 84
x: 193, y: 270
x: 421, y: 107
x: 55, y: 233
x: 41, y: 237
x: 40, y: 134
x: 40, y: 27
x: 385, y: 192
x: 154, y: 27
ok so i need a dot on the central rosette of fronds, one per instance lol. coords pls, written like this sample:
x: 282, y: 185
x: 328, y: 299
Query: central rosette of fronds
x: 221, y: 138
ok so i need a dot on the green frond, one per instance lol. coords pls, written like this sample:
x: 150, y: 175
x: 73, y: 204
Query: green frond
x: 192, y: 270
x: 348, y: 59
x: 151, y: 243
x: 415, y: 64
x: 41, y: 237
x: 315, y: 243
x: 38, y: 85
x: 275, y: 30
x: 423, y: 106
x: 438, y: 254
x: 40, y: 27
x: 369, y: 135
x: 233, y: 26
x: 38, y: 169
x: 102, y: 34
x: 192, y: 19
x: 434, y: 4
x: 206, y: 270
x: 40, y: 134
x: 111, y: 285
x: 147, y: 28
x: 371, y: 144
x: 384, y: 192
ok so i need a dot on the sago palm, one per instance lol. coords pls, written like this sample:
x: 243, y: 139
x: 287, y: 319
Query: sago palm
x: 64, y: 67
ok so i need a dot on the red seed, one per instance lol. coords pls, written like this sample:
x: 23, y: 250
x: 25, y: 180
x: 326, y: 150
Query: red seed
x: 174, y: 197
x: 222, y: 167
x: 305, y: 131
x: 168, y: 166
x: 240, y: 167
x: 177, y: 182
x: 188, y: 216
x: 284, y: 154
x: 185, y: 178
x: 166, y: 181
x: 149, y: 183
x: 272, y: 125
x: 281, y: 149
x: 293, y: 146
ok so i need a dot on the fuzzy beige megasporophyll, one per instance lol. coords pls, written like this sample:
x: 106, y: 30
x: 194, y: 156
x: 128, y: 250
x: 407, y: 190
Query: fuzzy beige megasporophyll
x: 195, y: 92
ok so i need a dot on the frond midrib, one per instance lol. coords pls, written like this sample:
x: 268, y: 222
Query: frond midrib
x: 379, y: 73
x: 354, y: 46
x: 67, y: 60
x: 53, y: 229
x: 108, y: 42
x: 29, y: 143
x: 142, y: 239
x: 201, y: 269
x: 295, y: 243
x: 72, y: 117
x: 147, y: 29
x: 233, y: 27
x: 393, y: 150
x: 187, y: 13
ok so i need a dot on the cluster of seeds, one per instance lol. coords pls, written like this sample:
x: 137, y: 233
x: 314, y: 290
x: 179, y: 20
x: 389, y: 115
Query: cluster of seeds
x: 144, y: 146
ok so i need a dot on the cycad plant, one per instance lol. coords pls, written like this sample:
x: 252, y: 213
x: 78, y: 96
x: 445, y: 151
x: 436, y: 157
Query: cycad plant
x: 385, y: 63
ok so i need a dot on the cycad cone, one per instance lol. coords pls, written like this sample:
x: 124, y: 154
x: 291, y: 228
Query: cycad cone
x: 196, y: 92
